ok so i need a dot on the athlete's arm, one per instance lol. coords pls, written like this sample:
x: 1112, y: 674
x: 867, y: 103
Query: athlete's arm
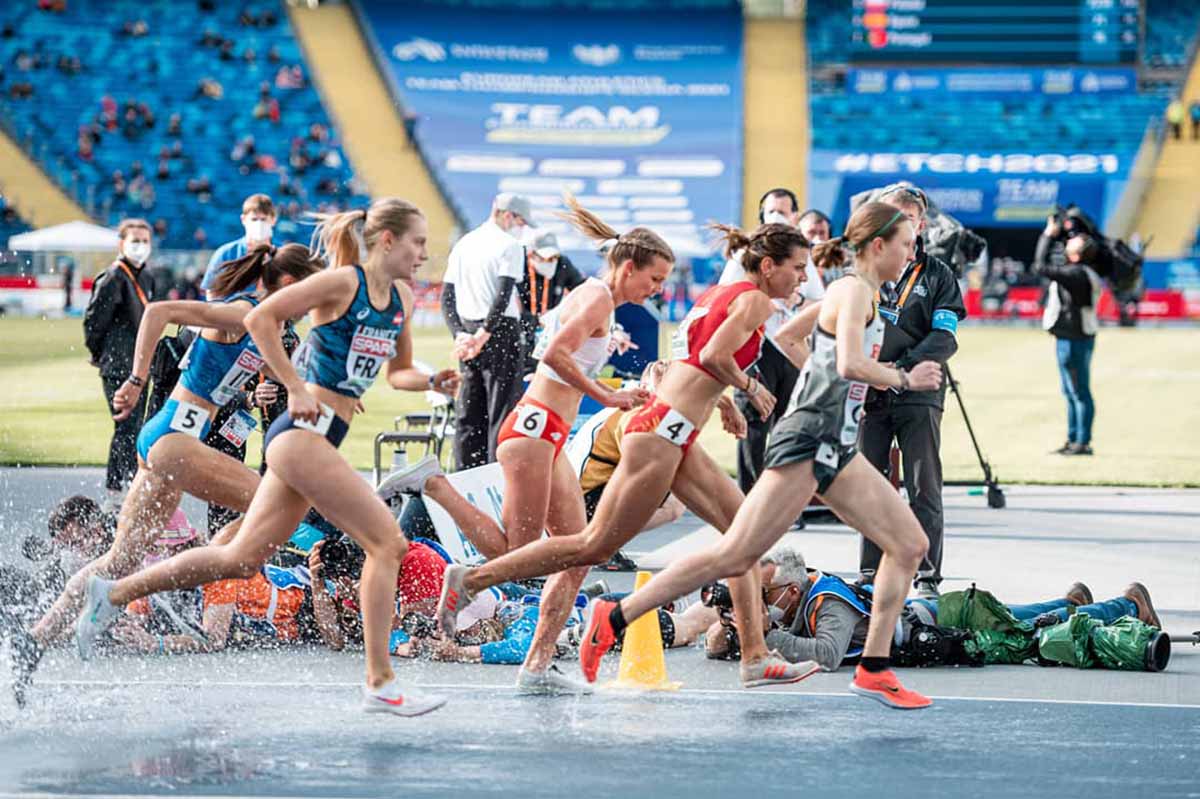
x: 328, y: 624
x: 401, y: 374
x: 324, y: 294
x: 216, y: 622
x: 792, y: 338
x: 591, y: 310
x: 747, y: 313
x: 852, y: 303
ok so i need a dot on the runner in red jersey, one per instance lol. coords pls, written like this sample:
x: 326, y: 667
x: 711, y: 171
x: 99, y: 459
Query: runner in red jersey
x: 713, y: 347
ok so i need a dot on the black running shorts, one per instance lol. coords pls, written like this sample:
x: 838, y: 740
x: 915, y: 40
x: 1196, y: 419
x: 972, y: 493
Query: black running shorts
x: 798, y: 437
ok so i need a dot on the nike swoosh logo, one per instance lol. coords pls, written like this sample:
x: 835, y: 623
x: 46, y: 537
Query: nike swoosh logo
x: 594, y: 641
x: 397, y: 702
x: 892, y: 689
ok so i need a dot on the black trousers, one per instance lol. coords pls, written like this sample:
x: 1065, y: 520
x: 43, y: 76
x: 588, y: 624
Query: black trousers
x: 778, y: 376
x: 491, y: 386
x: 917, y: 430
x: 122, y: 450
x: 218, y: 515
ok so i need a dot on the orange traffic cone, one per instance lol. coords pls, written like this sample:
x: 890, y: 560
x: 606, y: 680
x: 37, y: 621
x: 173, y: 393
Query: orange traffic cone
x: 643, y: 667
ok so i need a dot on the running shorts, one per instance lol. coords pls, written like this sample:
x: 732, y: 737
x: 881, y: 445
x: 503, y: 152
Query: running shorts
x: 174, y: 417
x: 797, y: 438
x: 661, y: 419
x: 532, y: 419
x: 329, y: 425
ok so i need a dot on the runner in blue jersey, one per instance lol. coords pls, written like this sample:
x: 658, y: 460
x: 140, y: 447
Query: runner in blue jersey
x: 359, y: 314
x: 172, y: 457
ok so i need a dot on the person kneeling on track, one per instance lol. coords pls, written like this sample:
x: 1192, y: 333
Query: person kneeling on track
x: 821, y: 617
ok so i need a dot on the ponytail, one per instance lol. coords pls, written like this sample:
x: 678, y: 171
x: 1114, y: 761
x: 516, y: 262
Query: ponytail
x: 830, y: 254
x: 734, y: 238
x: 774, y: 241
x: 640, y: 245
x: 346, y: 238
x: 238, y: 275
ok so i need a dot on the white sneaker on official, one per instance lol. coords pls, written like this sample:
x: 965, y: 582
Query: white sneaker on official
x: 550, y: 682
x: 454, y: 598
x: 97, y: 616
x: 394, y: 698
x: 410, y: 480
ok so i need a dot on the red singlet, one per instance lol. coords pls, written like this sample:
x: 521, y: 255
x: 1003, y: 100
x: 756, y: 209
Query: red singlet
x: 701, y: 323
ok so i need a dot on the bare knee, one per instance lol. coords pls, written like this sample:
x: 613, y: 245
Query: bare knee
x: 735, y: 560
x: 592, y: 550
x: 910, y: 549
x: 389, y: 549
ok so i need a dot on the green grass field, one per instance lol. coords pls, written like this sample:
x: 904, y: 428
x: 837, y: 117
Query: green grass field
x: 1146, y: 383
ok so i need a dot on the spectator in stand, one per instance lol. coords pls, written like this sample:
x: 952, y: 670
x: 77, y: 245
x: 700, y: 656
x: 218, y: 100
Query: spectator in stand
x: 200, y: 237
x: 1175, y: 114
x: 210, y: 88
x: 273, y: 55
x: 174, y: 126
x: 110, y: 325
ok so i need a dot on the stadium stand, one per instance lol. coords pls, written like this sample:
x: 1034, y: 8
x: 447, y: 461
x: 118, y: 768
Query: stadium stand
x: 171, y: 111
x: 10, y: 222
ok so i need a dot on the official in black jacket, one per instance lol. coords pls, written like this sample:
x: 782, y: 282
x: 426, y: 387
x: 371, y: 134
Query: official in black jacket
x: 549, y: 275
x: 921, y: 312
x: 110, y: 326
x: 1070, y: 316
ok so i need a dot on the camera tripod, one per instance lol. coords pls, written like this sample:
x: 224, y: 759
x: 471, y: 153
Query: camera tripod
x: 995, y: 495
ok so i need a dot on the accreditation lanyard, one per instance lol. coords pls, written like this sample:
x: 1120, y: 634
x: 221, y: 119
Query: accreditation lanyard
x: 908, y: 287
x: 533, y: 289
x: 136, y: 286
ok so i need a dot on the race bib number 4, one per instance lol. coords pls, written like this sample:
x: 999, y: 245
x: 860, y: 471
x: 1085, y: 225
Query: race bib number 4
x: 237, y: 428
x: 531, y: 421
x: 321, y: 426
x: 675, y: 428
x: 189, y: 419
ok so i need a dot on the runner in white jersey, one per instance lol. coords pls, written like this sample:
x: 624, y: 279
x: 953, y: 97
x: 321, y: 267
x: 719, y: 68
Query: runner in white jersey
x: 812, y: 451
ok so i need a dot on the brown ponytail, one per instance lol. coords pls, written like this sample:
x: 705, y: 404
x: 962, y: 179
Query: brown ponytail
x: 338, y: 237
x: 774, y: 241
x: 268, y: 264
x: 873, y: 220
x: 640, y: 245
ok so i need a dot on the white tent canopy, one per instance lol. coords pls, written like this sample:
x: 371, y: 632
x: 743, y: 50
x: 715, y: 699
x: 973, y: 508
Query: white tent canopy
x: 75, y: 236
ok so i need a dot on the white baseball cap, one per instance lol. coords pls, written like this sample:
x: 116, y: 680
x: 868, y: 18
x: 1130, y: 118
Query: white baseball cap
x: 542, y: 242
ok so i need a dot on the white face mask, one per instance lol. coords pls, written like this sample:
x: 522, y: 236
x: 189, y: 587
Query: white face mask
x: 774, y: 612
x: 258, y: 230
x: 545, y: 268
x: 137, y: 251
x: 776, y: 218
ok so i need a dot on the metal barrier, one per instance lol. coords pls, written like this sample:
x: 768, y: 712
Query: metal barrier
x: 431, y: 428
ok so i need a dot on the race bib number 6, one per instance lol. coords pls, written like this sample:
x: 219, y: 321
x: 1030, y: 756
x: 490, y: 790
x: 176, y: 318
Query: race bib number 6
x: 675, y: 428
x: 189, y: 419
x: 531, y: 421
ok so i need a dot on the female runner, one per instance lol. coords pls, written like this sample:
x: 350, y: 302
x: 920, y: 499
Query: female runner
x: 359, y: 328
x: 812, y: 450
x: 172, y: 458
x: 713, y: 347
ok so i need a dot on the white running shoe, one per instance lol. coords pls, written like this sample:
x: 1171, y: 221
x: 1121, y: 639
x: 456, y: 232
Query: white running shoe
x: 550, y: 682
x: 394, y: 698
x: 97, y: 616
x: 774, y: 670
x: 454, y: 599
x: 410, y: 480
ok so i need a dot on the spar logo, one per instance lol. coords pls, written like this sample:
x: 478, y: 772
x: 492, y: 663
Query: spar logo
x: 249, y: 361
x: 596, y: 55
x: 372, y: 341
x: 419, y: 48
x: 585, y: 125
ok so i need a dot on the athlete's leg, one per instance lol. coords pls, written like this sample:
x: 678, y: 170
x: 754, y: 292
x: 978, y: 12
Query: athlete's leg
x: 565, y: 517
x: 774, y: 503
x: 479, y: 528
x: 710, y: 493
x: 865, y: 500
x: 642, y: 478
x: 528, y: 466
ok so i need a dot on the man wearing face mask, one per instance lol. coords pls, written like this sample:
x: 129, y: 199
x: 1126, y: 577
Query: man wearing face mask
x: 110, y: 324
x: 258, y: 220
x: 921, y: 312
x: 773, y: 370
x: 480, y: 306
x: 549, y: 275
x: 816, y: 227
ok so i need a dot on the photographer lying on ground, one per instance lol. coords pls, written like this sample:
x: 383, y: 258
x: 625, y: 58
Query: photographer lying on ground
x: 818, y: 616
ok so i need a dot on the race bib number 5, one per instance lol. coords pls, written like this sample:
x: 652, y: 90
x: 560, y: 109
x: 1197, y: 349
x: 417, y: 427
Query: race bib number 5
x: 675, y: 428
x: 189, y: 419
x: 531, y: 421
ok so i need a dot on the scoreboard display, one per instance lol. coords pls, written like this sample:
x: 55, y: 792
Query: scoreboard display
x: 1092, y: 32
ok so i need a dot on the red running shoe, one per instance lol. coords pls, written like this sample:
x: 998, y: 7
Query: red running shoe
x: 598, y: 638
x: 884, y: 687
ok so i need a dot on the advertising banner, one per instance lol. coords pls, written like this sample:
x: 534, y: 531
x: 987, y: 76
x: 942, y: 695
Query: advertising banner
x: 639, y: 115
x: 991, y: 80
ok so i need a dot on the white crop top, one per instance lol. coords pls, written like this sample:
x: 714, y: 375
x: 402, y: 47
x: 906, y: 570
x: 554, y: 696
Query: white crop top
x: 590, y: 357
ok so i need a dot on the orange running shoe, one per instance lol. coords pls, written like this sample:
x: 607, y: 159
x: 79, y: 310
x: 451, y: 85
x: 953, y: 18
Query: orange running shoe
x: 598, y: 638
x: 884, y: 687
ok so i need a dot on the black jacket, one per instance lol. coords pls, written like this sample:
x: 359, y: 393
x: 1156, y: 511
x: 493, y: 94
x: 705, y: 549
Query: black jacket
x: 538, y: 294
x: 1073, y: 295
x: 921, y: 314
x: 114, y: 312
